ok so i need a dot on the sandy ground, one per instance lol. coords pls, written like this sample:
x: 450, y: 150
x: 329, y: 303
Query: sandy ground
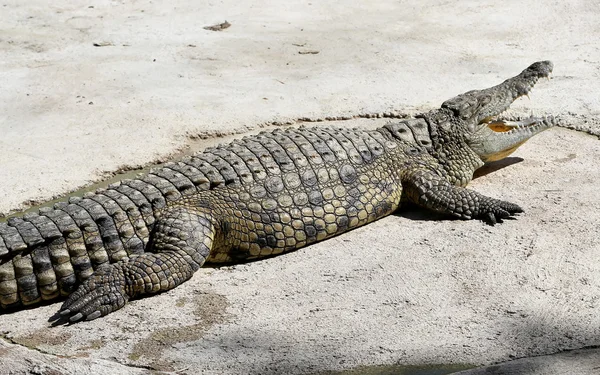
x: 90, y: 88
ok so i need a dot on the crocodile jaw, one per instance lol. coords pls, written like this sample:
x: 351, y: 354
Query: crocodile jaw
x: 498, y: 139
x: 477, y: 107
x: 495, y: 139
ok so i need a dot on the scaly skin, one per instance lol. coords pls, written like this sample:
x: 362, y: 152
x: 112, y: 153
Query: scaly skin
x: 259, y: 196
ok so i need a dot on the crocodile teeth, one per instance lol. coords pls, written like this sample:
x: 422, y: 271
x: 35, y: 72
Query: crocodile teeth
x: 528, y: 123
x: 517, y: 123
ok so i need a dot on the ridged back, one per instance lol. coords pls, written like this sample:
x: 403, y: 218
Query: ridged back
x: 44, y: 255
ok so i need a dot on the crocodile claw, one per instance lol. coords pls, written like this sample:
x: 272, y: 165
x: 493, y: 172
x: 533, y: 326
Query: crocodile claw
x: 499, y: 210
x: 99, y: 295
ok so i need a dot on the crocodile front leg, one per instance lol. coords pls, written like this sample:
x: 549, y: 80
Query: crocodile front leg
x: 429, y: 190
x: 180, y: 244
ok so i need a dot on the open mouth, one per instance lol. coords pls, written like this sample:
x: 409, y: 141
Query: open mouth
x: 498, y: 134
x: 502, y: 126
x: 510, y: 134
x: 521, y: 86
x: 503, y: 123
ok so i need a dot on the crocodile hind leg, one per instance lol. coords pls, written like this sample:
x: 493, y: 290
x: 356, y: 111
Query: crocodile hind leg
x: 430, y: 190
x: 179, y: 245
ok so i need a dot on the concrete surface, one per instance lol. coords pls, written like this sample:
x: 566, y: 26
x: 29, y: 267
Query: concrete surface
x: 412, y: 288
x: 585, y: 361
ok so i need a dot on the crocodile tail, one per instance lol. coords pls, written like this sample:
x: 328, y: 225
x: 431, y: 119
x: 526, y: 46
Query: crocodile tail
x: 46, y: 254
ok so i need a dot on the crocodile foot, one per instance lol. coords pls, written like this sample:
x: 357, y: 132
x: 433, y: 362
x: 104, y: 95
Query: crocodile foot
x: 493, y: 211
x: 101, y: 294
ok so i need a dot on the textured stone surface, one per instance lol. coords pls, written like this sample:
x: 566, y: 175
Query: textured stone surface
x: 324, y: 306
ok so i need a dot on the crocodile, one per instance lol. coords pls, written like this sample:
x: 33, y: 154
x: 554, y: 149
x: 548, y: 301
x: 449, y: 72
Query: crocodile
x: 259, y: 196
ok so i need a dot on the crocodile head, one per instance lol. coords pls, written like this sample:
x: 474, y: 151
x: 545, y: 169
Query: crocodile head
x: 476, y: 111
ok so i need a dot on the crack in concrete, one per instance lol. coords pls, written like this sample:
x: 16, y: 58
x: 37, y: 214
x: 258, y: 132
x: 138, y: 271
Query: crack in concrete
x: 14, y: 342
x: 298, y: 121
x: 569, y: 120
x: 126, y: 171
